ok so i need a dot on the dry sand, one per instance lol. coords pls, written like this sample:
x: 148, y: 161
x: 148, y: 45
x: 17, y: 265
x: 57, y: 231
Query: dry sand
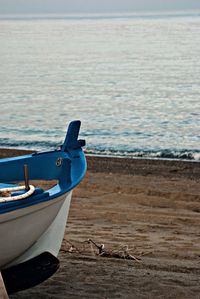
x: 151, y: 206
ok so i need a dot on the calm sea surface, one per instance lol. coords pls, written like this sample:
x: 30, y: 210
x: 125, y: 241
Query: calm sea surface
x: 133, y: 81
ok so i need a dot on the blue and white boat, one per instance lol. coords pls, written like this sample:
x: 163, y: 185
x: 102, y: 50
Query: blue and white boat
x: 33, y: 220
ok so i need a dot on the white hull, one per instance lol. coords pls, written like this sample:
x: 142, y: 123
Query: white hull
x: 27, y: 232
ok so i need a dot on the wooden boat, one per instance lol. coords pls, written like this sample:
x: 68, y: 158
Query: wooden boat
x: 33, y: 220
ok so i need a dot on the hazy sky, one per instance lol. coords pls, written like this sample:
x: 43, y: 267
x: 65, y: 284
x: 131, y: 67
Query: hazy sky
x: 73, y: 6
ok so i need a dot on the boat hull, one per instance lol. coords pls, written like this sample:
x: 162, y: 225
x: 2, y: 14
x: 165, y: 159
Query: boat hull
x: 27, y: 232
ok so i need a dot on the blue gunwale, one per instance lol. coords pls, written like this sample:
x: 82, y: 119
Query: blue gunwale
x: 43, y: 166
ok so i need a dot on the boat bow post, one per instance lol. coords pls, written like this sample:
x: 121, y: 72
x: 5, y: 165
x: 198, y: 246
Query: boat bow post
x: 71, y: 140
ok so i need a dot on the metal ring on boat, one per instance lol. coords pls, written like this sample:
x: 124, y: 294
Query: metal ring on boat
x: 17, y: 197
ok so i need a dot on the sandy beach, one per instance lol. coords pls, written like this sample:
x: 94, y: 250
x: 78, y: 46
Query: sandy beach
x: 149, y: 207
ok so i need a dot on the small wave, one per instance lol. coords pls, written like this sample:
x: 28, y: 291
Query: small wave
x: 182, y: 154
x: 31, y: 145
x: 149, y: 154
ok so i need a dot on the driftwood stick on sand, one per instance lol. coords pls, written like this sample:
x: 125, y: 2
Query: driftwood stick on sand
x: 122, y: 254
x: 99, y: 247
x: 72, y: 248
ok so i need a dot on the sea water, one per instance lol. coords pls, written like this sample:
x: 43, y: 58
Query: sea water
x: 132, y: 79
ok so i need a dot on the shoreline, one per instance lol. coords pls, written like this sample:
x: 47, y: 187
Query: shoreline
x: 131, y: 166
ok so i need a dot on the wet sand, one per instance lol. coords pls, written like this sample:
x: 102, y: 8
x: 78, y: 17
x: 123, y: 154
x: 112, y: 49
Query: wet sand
x: 151, y: 206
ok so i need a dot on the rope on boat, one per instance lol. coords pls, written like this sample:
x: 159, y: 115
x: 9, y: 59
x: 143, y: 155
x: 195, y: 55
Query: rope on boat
x: 17, y: 197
